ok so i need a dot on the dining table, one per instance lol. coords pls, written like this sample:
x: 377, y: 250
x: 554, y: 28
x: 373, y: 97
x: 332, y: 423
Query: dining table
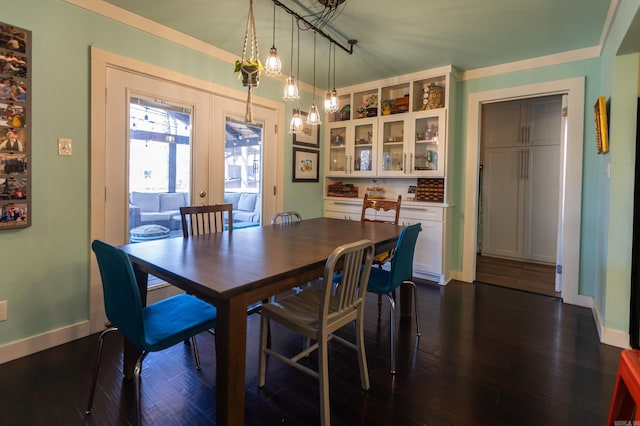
x: 234, y: 269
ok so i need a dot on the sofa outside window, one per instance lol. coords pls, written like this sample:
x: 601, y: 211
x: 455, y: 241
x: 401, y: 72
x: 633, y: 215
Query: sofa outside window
x: 158, y: 208
x: 246, y: 206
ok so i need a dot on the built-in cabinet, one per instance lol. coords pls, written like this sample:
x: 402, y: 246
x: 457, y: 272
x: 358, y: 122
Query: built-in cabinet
x: 430, y: 261
x: 395, y: 131
x: 520, y: 178
x: 391, y: 129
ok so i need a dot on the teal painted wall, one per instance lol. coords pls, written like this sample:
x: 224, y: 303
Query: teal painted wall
x: 590, y: 200
x: 45, y: 279
x: 620, y: 86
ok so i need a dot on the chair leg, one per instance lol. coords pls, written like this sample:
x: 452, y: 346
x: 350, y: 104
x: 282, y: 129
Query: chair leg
x: 414, y: 290
x: 362, y: 356
x: 323, y: 378
x: 136, y: 385
x: 264, y: 329
x: 195, y: 352
x: 94, y: 379
x: 392, y: 333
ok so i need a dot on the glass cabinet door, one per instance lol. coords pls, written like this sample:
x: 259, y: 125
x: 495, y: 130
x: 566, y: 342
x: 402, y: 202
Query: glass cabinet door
x: 363, y: 151
x: 392, y: 153
x: 338, y: 150
x: 428, y: 146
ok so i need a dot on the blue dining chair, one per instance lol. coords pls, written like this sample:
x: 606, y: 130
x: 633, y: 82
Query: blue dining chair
x: 149, y: 328
x: 386, y: 282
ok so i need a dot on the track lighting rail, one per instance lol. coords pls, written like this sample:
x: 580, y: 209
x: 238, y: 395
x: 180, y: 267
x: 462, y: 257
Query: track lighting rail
x: 308, y: 24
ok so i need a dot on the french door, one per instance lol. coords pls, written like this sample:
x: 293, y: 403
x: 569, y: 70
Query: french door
x: 188, y: 138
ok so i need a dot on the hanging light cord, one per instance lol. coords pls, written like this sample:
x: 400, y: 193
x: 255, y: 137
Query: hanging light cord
x: 334, y: 67
x: 273, y: 39
x: 314, y: 67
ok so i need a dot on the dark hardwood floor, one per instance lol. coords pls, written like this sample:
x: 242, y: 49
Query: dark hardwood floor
x: 487, y: 356
x: 519, y: 275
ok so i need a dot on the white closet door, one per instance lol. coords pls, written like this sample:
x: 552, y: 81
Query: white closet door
x: 544, y: 123
x: 501, y: 124
x: 503, y: 201
x: 542, y: 174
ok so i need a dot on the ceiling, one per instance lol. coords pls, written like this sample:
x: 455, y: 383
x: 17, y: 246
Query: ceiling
x: 394, y: 37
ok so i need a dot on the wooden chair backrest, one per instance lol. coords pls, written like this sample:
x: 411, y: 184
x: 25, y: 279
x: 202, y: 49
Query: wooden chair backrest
x: 197, y: 220
x: 380, y: 205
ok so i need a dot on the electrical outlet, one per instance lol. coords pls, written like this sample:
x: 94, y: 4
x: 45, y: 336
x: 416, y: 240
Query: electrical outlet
x: 3, y: 310
x: 64, y: 146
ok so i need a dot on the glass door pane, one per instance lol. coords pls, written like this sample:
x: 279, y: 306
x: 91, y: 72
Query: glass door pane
x: 243, y: 167
x: 159, y: 168
x: 393, y: 146
x: 363, y: 148
x: 338, y: 149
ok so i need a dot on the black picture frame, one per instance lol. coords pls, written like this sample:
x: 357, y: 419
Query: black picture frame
x: 306, y: 165
x: 310, y: 135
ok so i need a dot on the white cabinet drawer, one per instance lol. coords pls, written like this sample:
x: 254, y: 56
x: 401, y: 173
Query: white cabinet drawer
x: 422, y: 213
x: 343, y: 209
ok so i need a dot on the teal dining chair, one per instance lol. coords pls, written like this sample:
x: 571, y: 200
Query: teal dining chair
x: 385, y: 282
x: 149, y: 328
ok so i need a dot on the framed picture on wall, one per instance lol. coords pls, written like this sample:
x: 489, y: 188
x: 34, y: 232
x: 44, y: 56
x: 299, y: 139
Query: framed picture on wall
x: 15, y: 127
x: 305, y: 165
x: 310, y: 135
x: 602, y: 125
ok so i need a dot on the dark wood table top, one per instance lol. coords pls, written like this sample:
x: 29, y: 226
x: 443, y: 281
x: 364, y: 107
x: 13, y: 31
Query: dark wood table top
x: 219, y: 266
x: 234, y: 269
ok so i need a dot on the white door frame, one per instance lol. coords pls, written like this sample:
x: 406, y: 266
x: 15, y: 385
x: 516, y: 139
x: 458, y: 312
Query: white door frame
x: 571, y: 178
x: 100, y: 61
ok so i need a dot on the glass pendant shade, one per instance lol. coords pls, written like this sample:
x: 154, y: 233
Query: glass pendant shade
x: 331, y: 101
x: 290, y: 89
x: 313, y: 118
x: 296, y: 126
x: 273, y: 64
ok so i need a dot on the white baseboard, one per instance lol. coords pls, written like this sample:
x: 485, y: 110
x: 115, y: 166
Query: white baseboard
x: 40, y: 342
x: 609, y: 336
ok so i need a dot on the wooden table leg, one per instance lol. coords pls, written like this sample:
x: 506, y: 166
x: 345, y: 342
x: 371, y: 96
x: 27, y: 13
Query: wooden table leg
x: 130, y: 351
x: 231, y: 350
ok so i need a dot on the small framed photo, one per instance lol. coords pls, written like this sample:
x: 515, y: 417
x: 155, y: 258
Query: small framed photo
x: 310, y: 135
x: 305, y: 165
x: 602, y: 125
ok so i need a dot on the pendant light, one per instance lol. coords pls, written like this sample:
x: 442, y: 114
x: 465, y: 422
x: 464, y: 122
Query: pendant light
x: 296, y: 126
x: 273, y: 64
x: 331, y: 101
x: 313, y: 119
x: 290, y: 88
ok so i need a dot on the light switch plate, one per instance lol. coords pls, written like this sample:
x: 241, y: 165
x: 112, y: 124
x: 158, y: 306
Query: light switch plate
x: 64, y: 146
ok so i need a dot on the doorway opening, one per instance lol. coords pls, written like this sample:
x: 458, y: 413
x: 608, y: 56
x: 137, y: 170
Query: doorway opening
x: 519, y: 193
x: 570, y: 211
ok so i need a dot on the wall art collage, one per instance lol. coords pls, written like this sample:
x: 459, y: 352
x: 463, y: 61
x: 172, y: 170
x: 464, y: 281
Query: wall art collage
x: 15, y: 127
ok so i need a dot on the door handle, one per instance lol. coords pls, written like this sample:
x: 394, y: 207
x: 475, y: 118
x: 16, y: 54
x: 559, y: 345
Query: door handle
x: 404, y: 163
x: 411, y: 163
x: 203, y: 194
x: 521, y: 173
